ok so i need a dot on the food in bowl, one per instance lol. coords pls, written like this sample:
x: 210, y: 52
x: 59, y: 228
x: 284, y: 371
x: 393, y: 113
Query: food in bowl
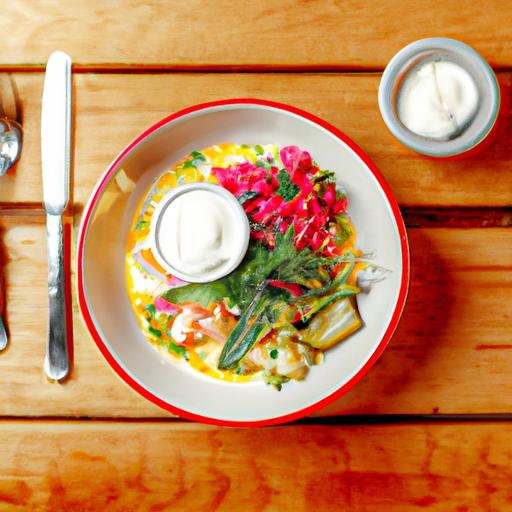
x: 292, y: 298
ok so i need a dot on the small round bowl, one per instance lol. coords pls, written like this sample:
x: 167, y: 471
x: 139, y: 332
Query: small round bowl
x: 106, y: 223
x: 443, y: 48
x: 243, y: 231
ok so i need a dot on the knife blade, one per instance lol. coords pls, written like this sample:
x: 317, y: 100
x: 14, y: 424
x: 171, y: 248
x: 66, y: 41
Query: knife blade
x: 55, y: 161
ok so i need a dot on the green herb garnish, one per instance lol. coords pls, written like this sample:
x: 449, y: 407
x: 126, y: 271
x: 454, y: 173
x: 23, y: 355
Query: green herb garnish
x: 177, y: 349
x: 142, y: 224
x: 263, y: 163
x: 274, y: 353
x: 262, y: 304
x: 248, y: 194
x: 284, y: 263
x: 323, y: 175
x: 275, y: 380
x: 196, y: 159
x: 155, y: 332
x: 287, y: 190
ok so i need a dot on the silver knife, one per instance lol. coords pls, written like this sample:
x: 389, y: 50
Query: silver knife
x: 55, y: 160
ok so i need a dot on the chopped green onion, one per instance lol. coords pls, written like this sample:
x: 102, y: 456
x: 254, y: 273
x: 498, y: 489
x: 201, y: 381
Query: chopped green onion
x: 177, y: 349
x: 155, y: 332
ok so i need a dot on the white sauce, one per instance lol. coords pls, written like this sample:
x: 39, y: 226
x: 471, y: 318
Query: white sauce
x: 199, y: 233
x: 437, y: 100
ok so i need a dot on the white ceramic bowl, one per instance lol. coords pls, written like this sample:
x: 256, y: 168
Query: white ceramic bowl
x: 101, y: 279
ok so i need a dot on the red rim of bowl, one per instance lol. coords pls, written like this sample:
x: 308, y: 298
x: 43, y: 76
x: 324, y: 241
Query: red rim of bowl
x: 404, y: 284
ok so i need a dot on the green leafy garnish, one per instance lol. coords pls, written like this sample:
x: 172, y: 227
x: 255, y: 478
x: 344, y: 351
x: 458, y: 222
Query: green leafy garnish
x: 155, y: 332
x: 263, y: 163
x: 259, y: 149
x: 197, y: 156
x: 202, y: 294
x: 177, y: 349
x: 343, y: 231
x: 248, y: 194
x: 287, y: 190
x: 284, y: 263
x: 275, y: 380
x: 239, y: 287
x: 142, y: 224
x: 196, y: 159
x: 274, y: 353
x: 262, y: 304
x: 323, y: 175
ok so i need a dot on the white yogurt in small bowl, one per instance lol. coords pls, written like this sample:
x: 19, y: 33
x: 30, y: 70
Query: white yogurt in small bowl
x: 439, y: 97
x: 199, y: 232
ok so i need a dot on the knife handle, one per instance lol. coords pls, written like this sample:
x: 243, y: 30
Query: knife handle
x: 56, y: 363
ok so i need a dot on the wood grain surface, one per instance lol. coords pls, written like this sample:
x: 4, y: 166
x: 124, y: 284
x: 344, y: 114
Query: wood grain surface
x: 111, y: 110
x: 200, y: 33
x: 149, y: 467
x: 452, y: 350
x: 137, y: 62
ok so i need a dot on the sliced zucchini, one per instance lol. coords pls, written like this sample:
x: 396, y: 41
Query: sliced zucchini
x: 332, y: 325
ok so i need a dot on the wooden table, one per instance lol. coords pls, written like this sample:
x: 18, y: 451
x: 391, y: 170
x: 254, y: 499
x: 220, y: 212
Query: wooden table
x: 429, y: 426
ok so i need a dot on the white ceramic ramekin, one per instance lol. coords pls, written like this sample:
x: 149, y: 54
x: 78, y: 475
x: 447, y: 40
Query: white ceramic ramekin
x: 242, y: 227
x: 436, y: 49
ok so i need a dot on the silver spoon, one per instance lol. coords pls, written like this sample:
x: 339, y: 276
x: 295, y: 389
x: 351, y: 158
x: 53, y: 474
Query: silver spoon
x: 11, y: 133
x: 11, y: 136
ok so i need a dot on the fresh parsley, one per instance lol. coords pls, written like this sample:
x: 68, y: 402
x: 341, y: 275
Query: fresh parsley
x: 287, y: 189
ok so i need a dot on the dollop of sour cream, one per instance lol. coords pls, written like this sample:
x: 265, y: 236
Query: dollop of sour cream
x: 199, y: 233
x: 437, y: 99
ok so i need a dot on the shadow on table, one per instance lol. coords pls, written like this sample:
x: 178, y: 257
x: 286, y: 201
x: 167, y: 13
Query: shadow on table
x: 387, y: 388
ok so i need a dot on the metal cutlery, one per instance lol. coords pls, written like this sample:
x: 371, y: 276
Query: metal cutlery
x: 11, y: 133
x: 55, y: 159
x: 3, y: 333
x: 11, y: 137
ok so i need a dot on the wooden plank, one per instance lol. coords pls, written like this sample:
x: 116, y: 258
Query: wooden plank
x: 478, y: 217
x: 173, y: 466
x: 455, y: 333
x: 348, y: 34
x: 111, y: 110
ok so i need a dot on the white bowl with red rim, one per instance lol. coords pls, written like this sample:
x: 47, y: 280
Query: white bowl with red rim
x: 101, y: 250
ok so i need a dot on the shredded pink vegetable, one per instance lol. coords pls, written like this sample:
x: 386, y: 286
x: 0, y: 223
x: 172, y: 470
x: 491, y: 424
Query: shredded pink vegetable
x: 309, y: 211
x: 166, y: 307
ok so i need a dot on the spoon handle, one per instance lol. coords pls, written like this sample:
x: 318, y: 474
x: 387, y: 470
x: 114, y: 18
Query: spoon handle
x: 3, y: 335
x: 8, y: 107
x: 56, y: 363
x: 4, y: 338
